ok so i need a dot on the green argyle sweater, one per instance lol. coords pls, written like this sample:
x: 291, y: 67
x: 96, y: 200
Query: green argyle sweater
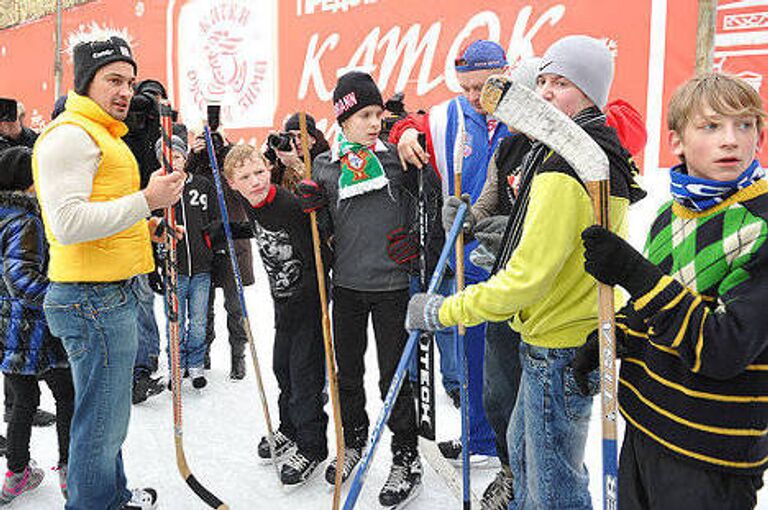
x: 696, y: 376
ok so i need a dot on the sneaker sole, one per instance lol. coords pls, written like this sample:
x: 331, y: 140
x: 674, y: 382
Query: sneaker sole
x: 414, y: 493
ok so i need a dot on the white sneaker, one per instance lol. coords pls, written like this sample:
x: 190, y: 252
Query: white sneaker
x: 142, y: 499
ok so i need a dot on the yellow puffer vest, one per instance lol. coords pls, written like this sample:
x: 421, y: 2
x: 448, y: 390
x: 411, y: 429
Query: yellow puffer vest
x: 122, y: 255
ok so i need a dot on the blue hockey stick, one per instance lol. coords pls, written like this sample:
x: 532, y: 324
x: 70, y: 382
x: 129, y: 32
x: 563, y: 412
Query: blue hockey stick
x: 402, y: 367
x: 241, y: 294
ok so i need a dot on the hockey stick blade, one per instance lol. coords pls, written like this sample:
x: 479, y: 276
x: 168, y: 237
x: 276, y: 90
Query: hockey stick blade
x: 522, y: 110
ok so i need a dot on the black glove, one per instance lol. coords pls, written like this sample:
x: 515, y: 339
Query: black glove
x: 311, y: 195
x: 214, y: 231
x: 611, y: 260
x: 587, y: 359
x: 156, y: 283
x: 451, y: 207
x: 403, y: 247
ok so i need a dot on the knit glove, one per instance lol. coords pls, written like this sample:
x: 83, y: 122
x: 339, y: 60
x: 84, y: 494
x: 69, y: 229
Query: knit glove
x: 451, y: 207
x: 489, y: 232
x: 611, y: 260
x: 311, y: 195
x: 403, y: 247
x: 423, y: 312
x: 587, y: 359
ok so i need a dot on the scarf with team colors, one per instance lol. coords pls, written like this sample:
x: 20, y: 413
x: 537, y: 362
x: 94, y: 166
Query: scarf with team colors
x: 361, y: 170
x: 698, y: 194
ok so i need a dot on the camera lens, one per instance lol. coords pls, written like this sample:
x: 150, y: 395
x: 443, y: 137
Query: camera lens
x: 280, y: 142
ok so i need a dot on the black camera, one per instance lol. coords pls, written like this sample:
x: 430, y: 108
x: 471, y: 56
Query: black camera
x: 281, y: 141
x: 8, y: 110
x: 214, y: 116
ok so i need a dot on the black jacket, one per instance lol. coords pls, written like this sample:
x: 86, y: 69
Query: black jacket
x: 197, y: 209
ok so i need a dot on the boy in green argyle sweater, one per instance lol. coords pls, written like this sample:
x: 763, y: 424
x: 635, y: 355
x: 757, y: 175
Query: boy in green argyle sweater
x: 693, y: 386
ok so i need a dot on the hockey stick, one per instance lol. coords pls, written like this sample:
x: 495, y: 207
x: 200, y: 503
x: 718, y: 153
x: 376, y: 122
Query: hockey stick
x: 426, y: 358
x: 458, y: 163
x: 402, y: 368
x: 330, y: 358
x: 241, y: 295
x: 172, y: 309
x: 521, y: 108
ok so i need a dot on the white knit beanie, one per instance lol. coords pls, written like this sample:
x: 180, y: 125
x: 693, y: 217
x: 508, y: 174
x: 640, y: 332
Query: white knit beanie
x: 585, y: 61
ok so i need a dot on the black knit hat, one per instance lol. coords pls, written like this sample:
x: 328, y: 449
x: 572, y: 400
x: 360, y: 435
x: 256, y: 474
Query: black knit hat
x: 15, y: 168
x: 90, y: 56
x: 292, y: 124
x: 354, y: 91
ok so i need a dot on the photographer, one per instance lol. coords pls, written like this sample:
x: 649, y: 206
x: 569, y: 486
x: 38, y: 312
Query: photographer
x: 143, y: 123
x: 284, y: 151
x: 12, y: 130
x: 222, y: 275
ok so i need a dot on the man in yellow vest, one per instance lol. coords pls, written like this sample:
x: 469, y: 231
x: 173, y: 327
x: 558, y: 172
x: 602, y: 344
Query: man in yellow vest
x: 95, y: 220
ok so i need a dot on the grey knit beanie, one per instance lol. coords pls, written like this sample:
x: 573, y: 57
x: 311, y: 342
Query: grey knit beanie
x: 585, y: 61
x: 177, y: 145
x: 526, y: 71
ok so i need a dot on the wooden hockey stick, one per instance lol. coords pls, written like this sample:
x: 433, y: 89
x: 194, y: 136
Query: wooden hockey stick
x: 172, y: 300
x: 523, y: 110
x: 458, y: 163
x: 330, y: 357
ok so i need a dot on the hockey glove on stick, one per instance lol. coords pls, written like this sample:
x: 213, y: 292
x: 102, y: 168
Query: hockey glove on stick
x: 611, y: 260
x: 312, y: 197
x: 423, y: 312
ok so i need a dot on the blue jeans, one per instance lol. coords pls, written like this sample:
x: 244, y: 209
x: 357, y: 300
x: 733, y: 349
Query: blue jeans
x: 149, y: 336
x: 97, y: 326
x: 193, y: 317
x: 501, y: 379
x: 547, y: 433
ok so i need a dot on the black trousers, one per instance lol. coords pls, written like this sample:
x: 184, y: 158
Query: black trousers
x: 298, y: 361
x: 26, y: 398
x: 351, y: 310
x: 652, y: 478
x: 237, y: 335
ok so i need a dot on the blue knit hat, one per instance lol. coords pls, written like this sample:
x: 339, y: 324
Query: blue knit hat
x: 481, y: 54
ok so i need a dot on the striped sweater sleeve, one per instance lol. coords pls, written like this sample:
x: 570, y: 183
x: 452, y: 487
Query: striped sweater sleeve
x: 720, y: 341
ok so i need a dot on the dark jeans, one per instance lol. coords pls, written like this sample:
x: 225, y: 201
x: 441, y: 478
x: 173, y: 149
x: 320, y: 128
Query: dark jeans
x: 501, y: 380
x: 26, y: 398
x: 351, y: 310
x: 298, y: 361
x: 652, y: 478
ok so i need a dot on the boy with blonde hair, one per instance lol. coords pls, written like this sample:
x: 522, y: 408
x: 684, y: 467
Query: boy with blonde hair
x: 284, y: 238
x: 693, y: 385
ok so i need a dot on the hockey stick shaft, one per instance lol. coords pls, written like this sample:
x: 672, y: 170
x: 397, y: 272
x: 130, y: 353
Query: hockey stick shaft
x: 241, y: 295
x: 402, y: 367
x: 330, y: 357
x: 599, y: 192
x: 426, y: 352
x: 458, y: 163
x: 172, y: 307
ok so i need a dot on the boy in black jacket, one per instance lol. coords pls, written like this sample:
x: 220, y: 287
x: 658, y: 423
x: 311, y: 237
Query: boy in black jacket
x: 284, y: 238
x: 693, y: 386
x: 194, y: 211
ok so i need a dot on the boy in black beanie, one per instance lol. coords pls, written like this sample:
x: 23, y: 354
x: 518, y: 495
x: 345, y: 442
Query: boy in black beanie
x: 361, y: 185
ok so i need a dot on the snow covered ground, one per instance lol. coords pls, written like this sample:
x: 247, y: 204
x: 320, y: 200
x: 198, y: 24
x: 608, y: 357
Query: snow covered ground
x: 223, y: 424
